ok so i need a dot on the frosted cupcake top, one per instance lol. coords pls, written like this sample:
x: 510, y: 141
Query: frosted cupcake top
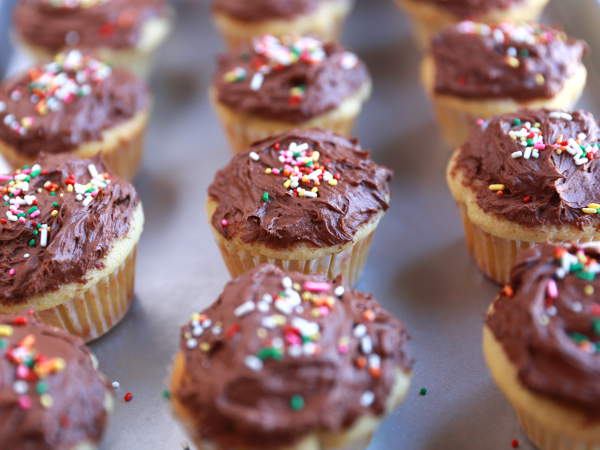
x: 285, y: 355
x: 523, y: 61
x: 464, y: 9
x: 288, y: 79
x: 58, y: 106
x: 58, y: 219
x: 56, y: 24
x: 262, y: 10
x: 301, y: 187
x: 52, y: 395
x: 535, y: 168
x: 548, y: 322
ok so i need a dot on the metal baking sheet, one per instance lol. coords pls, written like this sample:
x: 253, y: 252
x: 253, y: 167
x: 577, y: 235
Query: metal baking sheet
x: 418, y: 266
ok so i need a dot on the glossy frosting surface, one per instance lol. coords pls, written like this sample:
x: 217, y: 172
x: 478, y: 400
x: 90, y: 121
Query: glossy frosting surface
x: 262, y: 10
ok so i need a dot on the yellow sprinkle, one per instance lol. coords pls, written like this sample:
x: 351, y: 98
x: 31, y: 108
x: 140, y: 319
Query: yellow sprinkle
x: 268, y: 171
x: 316, y: 156
x: 70, y: 188
x: 590, y: 210
x: 539, y: 79
x: 296, y: 286
x: 512, y: 61
x: 286, y: 184
x: 589, y: 289
x: 187, y: 335
x: 279, y: 320
x: 315, y: 312
x: 46, y: 401
x: 496, y: 187
x: 54, y: 212
x: 300, y: 192
x: 333, y: 182
x: 305, y: 179
x: 594, y: 205
x: 262, y: 333
x: 6, y: 330
x: 315, y: 189
x: 306, y: 295
x: 205, y: 346
x: 59, y: 364
x: 195, y: 317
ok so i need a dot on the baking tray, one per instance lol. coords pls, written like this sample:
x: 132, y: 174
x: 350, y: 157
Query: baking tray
x: 418, y: 267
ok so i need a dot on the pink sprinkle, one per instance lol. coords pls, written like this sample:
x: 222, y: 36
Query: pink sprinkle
x: 324, y: 310
x: 275, y: 171
x: 317, y: 286
x: 11, y: 271
x: 22, y: 372
x: 22, y: 219
x: 25, y: 402
x: 552, y: 289
x: 343, y: 348
x: 35, y: 214
x: 224, y: 222
x: 5, y: 178
x: 480, y: 122
x: 540, y: 146
x: 293, y: 339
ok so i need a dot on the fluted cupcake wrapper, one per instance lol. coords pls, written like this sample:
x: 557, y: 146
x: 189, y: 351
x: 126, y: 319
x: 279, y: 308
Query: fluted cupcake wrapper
x: 125, y: 159
x: 347, y: 262
x: 495, y: 256
x: 98, y: 309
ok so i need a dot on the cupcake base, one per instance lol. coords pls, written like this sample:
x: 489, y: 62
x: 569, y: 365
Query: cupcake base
x: 139, y: 59
x: 325, y: 23
x: 121, y: 148
x: 429, y: 20
x: 550, y: 425
x: 91, y: 309
x: 357, y: 437
x: 456, y: 116
x: 346, y: 260
x: 495, y: 243
x: 243, y: 129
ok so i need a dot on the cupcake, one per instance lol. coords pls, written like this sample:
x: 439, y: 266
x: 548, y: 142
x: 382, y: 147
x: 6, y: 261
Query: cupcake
x: 541, y: 342
x: 68, y: 239
x: 431, y: 16
x: 305, y: 200
x: 77, y: 105
x: 477, y: 71
x: 525, y: 178
x: 295, y: 82
x: 122, y: 32
x: 53, y: 396
x: 240, y: 21
x: 289, y: 361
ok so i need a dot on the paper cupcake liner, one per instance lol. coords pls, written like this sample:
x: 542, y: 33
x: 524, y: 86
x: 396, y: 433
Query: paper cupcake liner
x: 495, y: 256
x: 550, y: 438
x: 243, y: 132
x: 348, y: 262
x: 98, y: 309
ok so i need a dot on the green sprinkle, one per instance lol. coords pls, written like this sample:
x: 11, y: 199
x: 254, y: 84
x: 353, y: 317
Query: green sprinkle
x: 35, y: 173
x: 41, y: 387
x: 3, y: 344
x: 31, y: 243
x: 530, y: 142
x: 597, y: 347
x: 576, y: 267
x: 36, y: 232
x: 52, y: 194
x: 166, y: 394
x: 270, y: 353
x: 32, y: 209
x: 423, y: 392
x: 297, y: 402
x: 578, y: 337
x: 588, y: 276
x: 265, y: 197
x: 524, y: 53
x: 55, y: 204
x: 516, y: 122
x: 596, y: 326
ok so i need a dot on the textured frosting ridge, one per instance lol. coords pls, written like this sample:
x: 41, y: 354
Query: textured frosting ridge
x: 56, y: 107
x: 465, y: 9
x: 261, y: 10
x: 282, y: 355
x: 303, y: 186
x: 289, y: 79
x: 58, y: 219
x: 548, y: 322
x: 523, y: 61
x: 535, y: 167
x: 56, y: 24
x: 51, y: 395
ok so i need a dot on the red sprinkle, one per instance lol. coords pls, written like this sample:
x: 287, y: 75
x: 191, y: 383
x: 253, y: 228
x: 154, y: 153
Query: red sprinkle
x: 128, y: 397
x: 20, y: 320
x: 232, y: 330
x: 514, y: 443
x: 526, y: 199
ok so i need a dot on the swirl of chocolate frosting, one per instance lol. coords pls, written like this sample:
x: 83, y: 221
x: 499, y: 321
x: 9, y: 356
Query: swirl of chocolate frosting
x: 51, y: 395
x: 58, y: 106
x: 303, y: 186
x: 548, y: 322
x: 58, y: 220
x: 281, y: 355
x: 468, y: 9
x: 261, y: 10
x: 290, y: 79
x: 56, y: 24
x: 544, y: 164
x: 523, y: 61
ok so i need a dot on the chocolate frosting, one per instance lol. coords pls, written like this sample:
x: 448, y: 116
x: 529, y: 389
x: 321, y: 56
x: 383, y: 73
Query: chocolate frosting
x: 56, y: 401
x: 78, y: 235
x: 281, y: 355
x: 35, y: 117
x: 256, y: 203
x: 111, y: 23
x: 518, y: 61
x: 555, y: 188
x: 261, y: 10
x: 548, y: 322
x: 309, y: 79
x: 468, y: 9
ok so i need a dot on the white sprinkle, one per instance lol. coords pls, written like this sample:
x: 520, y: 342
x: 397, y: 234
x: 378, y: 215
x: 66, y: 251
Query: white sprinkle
x: 197, y: 330
x: 360, y: 330
x: 2, y: 107
x: 366, y: 345
x: 535, y: 153
x: 253, y: 362
x: 254, y: 156
x: 257, y: 81
x: 44, y: 236
x: 374, y: 361
x: 544, y: 320
x: 20, y: 387
x: 349, y: 61
x: 286, y: 282
x: 339, y: 291
x: 527, y: 153
x: 116, y: 385
x: 92, y: 170
x: 516, y: 154
x: 217, y: 330
x: 561, y: 115
x: 244, y: 308
x: 552, y: 311
x: 88, y: 199
x: 367, y: 399
x: 26, y: 255
x: 577, y: 307
x: 263, y: 306
x: 267, y: 298
x: 295, y: 351
x: 310, y: 348
x: 191, y: 343
x: 277, y: 342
